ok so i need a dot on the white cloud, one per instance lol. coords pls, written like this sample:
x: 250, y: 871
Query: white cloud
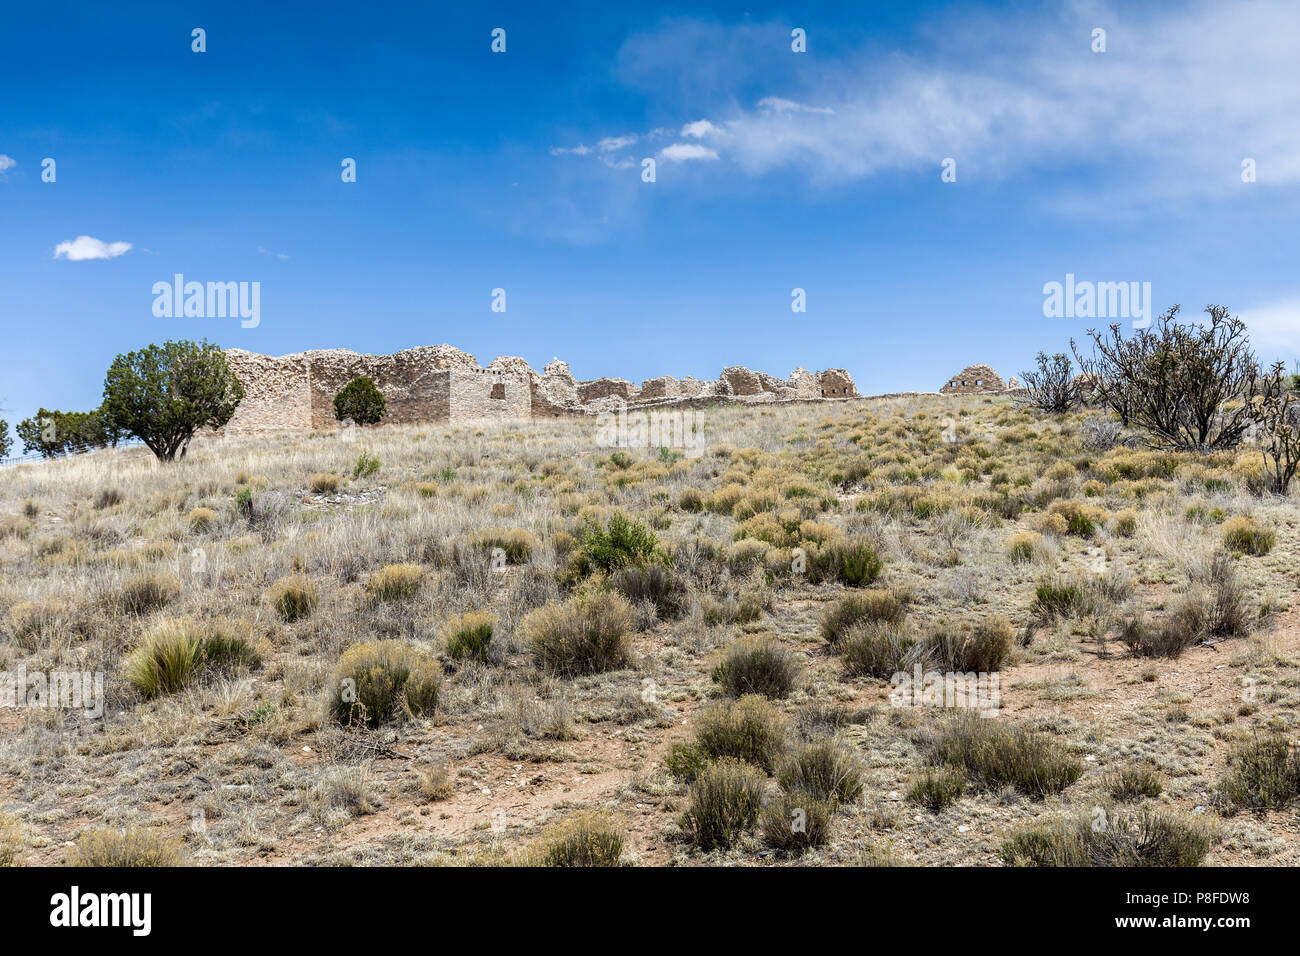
x: 87, y: 247
x: 570, y: 150
x: 1274, y: 328
x: 1161, y: 113
x: 7, y: 162
x: 780, y: 105
x: 683, y: 152
x: 267, y: 252
x: 615, y: 143
x: 699, y: 129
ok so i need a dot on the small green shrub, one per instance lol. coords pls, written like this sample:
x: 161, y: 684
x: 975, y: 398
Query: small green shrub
x: 826, y: 769
x: 584, y: 635
x: 1263, y: 774
x: 749, y: 729
x: 724, y: 802
x: 936, y: 788
x: 685, y: 761
x: 757, y: 666
x: 366, y: 465
x: 1001, y: 756
x: 865, y: 606
x: 796, y: 822
x: 623, y: 541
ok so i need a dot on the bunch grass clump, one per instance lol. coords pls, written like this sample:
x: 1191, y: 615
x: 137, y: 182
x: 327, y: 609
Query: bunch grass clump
x: 1150, y: 836
x: 724, y: 803
x: 395, y: 582
x: 749, y: 729
x: 202, y: 519
x: 936, y: 788
x: 826, y: 769
x: 382, y: 682
x: 293, y: 597
x: 1245, y: 536
x: 176, y: 652
x: 877, y: 650
x: 323, y: 483
x: 132, y: 847
x: 796, y: 822
x: 757, y: 665
x: 516, y: 544
x: 875, y: 605
x: 469, y: 635
x: 590, y: 839
x: 147, y: 592
x: 1001, y: 756
x: 852, y: 562
x: 1263, y: 774
x: 585, y: 635
x: 1134, y: 781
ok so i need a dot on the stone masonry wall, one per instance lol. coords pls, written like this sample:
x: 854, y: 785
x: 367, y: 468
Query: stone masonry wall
x: 440, y: 383
x: 486, y: 395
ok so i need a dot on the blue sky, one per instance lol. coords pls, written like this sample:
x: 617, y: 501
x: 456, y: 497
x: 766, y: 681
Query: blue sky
x: 775, y: 170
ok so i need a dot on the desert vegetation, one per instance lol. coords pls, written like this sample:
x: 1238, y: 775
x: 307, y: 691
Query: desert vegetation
x: 501, y: 644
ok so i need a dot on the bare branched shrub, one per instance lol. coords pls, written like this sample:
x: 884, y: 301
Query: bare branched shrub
x: 1190, y: 385
x: 1052, y: 388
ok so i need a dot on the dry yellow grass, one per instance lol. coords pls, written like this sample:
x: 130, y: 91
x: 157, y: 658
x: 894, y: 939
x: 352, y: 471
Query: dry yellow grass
x: 403, y: 558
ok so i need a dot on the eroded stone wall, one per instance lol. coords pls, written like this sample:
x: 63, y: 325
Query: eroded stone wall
x: 439, y: 383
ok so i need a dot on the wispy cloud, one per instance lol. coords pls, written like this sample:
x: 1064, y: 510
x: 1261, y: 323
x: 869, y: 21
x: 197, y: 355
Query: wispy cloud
x: 7, y: 162
x: 87, y: 247
x: 267, y: 252
x: 1005, y: 96
x: 780, y: 105
x: 700, y: 129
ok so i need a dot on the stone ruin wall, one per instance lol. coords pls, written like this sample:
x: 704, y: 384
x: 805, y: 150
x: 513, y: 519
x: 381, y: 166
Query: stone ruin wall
x: 443, y: 384
x: 276, y: 392
x: 485, y: 394
x: 964, y: 382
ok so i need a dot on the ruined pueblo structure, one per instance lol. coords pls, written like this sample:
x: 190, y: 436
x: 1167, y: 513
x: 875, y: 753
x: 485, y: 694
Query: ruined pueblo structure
x: 440, y: 383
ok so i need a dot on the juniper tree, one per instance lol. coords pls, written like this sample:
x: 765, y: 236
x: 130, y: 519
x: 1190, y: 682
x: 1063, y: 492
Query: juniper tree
x: 164, y: 394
